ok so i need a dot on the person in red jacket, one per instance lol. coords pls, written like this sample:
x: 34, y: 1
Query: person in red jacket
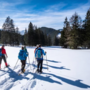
x: 36, y: 48
x: 4, y: 55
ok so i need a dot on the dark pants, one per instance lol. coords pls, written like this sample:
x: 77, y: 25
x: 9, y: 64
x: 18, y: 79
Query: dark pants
x: 39, y: 65
x: 0, y: 60
x: 3, y: 57
x: 23, y: 65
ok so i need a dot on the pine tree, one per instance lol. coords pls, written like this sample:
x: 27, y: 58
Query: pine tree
x: 49, y: 41
x: 76, y: 24
x: 87, y: 29
x: 26, y: 37
x: 9, y: 35
x: 56, y: 41
x: 30, y: 34
x: 64, y: 40
x: 8, y: 25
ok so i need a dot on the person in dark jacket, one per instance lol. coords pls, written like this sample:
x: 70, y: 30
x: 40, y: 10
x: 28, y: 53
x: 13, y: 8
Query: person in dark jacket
x: 22, y: 56
x: 3, y: 56
x: 39, y: 56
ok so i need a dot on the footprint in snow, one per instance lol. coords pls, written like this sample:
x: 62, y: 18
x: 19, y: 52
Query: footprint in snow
x: 33, y: 84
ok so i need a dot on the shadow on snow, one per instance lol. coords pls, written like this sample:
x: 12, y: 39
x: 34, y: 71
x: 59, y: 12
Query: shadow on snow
x: 77, y: 83
x: 53, y: 61
x: 62, y: 67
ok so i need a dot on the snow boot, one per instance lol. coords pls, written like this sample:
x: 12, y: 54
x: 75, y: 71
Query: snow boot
x: 6, y: 65
x: 23, y: 70
x: 40, y: 72
x: 37, y: 70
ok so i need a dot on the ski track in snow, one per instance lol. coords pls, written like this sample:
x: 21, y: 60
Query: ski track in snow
x: 30, y: 85
x: 11, y: 78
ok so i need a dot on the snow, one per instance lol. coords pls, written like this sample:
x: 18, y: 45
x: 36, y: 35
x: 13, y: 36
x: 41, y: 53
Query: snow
x: 59, y: 35
x: 67, y: 70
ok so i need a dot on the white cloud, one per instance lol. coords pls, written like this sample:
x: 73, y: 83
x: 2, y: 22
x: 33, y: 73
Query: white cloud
x: 51, y: 17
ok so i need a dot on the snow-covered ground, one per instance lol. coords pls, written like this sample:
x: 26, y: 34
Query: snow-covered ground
x: 67, y: 70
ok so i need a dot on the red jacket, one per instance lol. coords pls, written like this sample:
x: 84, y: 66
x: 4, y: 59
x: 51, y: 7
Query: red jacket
x: 3, y: 51
x: 35, y: 49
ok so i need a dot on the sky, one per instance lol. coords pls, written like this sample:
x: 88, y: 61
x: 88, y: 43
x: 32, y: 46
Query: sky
x: 42, y: 13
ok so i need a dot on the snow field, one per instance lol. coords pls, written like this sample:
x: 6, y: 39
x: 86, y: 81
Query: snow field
x: 67, y: 70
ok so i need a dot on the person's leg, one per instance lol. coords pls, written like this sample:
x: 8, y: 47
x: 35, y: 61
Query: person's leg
x: 22, y: 65
x: 0, y: 61
x: 38, y: 64
x: 41, y: 63
x: 4, y: 58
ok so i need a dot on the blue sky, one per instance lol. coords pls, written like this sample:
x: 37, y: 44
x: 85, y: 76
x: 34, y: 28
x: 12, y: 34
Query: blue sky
x: 49, y: 13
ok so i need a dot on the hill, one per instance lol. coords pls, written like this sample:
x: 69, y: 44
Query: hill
x: 50, y: 31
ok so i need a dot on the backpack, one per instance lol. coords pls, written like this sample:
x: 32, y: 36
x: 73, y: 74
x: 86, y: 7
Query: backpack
x: 0, y: 52
x: 39, y: 54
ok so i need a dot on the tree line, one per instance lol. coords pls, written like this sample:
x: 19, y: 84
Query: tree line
x: 76, y: 32
x: 33, y: 36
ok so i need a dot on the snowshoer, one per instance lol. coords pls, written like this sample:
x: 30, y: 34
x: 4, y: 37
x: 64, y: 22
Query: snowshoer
x: 25, y: 49
x: 35, y: 50
x: 39, y: 56
x: 22, y: 56
x: 3, y: 56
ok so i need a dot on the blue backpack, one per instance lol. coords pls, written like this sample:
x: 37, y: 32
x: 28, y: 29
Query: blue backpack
x: 39, y: 54
x: 21, y: 55
x: 0, y: 52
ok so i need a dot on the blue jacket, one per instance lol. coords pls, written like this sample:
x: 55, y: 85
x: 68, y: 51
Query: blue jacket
x: 22, y: 55
x: 42, y: 53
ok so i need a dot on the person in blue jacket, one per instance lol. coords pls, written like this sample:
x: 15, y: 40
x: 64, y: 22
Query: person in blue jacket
x: 25, y: 49
x: 39, y: 56
x: 22, y: 56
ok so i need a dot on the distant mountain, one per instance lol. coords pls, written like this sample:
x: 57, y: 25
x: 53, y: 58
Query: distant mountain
x: 60, y: 29
x: 50, y: 31
x: 22, y: 32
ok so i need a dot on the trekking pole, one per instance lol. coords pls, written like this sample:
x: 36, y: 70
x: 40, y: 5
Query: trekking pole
x: 16, y: 64
x: 29, y: 61
x: 46, y: 61
x: 33, y: 64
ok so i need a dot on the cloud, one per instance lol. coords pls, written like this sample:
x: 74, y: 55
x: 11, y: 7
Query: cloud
x: 52, y: 16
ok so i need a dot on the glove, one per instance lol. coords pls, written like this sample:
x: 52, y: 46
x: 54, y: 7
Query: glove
x: 45, y: 52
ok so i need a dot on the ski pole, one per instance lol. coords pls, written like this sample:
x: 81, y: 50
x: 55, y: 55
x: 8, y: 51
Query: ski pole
x: 33, y: 64
x: 16, y: 64
x: 29, y: 61
x: 46, y: 61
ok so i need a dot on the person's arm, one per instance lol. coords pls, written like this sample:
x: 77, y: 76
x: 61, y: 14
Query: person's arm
x: 25, y: 54
x: 44, y: 53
